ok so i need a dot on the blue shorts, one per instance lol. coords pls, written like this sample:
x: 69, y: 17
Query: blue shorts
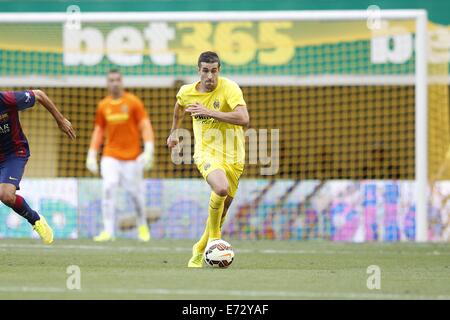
x: 11, y: 170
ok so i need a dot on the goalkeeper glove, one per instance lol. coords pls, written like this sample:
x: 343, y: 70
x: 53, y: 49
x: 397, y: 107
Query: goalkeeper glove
x: 91, y: 161
x: 146, y: 157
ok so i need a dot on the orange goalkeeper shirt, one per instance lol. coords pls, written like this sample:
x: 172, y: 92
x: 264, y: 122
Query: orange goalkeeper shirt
x: 119, y: 119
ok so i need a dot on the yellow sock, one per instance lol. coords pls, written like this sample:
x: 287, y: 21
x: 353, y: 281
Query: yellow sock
x: 216, y: 204
x: 222, y: 219
x: 201, y: 244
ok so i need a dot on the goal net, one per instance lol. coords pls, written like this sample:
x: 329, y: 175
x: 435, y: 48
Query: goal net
x: 349, y: 132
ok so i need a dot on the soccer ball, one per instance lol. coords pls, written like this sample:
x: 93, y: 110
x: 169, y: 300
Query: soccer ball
x: 219, y: 254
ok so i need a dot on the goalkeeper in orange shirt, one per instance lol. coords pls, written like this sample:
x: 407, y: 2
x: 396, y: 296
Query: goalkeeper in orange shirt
x: 121, y: 120
x: 218, y: 111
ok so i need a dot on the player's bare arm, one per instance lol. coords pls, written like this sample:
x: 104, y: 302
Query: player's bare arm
x: 178, y: 115
x: 63, y: 124
x: 97, y: 138
x: 146, y: 129
x: 239, y: 116
x: 148, y: 136
x: 96, y: 141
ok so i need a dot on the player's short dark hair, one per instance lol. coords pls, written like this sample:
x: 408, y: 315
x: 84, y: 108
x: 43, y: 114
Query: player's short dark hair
x: 114, y: 71
x: 208, y: 57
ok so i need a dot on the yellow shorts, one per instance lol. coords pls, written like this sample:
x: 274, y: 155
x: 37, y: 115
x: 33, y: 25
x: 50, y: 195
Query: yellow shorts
x: 232, y: 171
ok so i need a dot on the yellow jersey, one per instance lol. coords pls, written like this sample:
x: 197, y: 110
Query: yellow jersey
x: 214, y: 139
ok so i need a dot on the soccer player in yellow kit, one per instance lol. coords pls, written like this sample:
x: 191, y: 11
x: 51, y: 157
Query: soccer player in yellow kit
x: 219, y: 113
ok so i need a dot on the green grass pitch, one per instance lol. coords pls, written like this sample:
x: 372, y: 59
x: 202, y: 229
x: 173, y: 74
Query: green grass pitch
x: 262, y: 270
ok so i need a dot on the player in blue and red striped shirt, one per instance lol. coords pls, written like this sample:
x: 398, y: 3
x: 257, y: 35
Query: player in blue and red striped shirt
x: 14, y: 152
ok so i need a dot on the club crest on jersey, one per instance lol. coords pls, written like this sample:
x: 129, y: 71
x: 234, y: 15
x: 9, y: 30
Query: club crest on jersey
x: 124, y: 108
x: 216, y: 104
x: 206, y: 166
x: 4, y: 117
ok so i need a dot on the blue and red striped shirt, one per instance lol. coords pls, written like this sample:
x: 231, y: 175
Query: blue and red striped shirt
x: 12, y: 139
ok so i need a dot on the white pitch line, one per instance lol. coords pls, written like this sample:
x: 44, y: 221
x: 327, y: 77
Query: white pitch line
x: 32, y: 289
x: 4, y: 246
x: 231, y: 293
